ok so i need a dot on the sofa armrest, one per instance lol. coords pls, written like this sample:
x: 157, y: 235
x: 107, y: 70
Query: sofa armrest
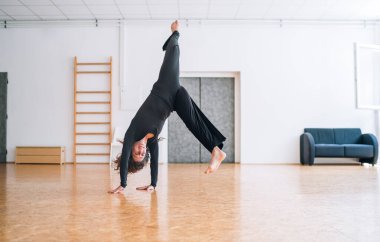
x: 370, y: 139
x: 307, y: 149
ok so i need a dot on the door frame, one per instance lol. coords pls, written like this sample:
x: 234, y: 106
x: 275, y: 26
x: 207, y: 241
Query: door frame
x: 5, y: 74
x: 237, y: 104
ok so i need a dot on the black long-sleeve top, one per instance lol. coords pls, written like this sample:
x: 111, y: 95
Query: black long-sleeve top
x: 152, y: 114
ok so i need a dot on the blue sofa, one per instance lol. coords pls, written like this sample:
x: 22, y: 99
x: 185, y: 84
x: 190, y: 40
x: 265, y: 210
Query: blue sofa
x: 351, y: 143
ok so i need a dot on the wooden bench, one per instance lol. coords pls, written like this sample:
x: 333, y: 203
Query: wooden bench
x: 45, y: 155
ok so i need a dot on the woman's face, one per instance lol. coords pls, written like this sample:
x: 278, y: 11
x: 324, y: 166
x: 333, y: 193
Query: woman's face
x: 139, y: 151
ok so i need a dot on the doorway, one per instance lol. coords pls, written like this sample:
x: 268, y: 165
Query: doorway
x: 215, y: 96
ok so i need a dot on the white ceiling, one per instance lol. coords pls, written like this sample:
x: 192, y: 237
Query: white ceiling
x: 189, y: 9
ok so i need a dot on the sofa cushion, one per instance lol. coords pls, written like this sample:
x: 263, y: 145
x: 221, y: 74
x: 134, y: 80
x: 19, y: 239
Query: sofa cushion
x: 322, y: 136
x: 362, y: 151
x: 329, y: 150
x: 347, y: 136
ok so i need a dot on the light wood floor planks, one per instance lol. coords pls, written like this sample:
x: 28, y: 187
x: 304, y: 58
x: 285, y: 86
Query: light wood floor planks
x: 238, y: 203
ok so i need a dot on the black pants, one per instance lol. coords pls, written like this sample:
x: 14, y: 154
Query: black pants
x: 196, y: 121
x: 179, y: 100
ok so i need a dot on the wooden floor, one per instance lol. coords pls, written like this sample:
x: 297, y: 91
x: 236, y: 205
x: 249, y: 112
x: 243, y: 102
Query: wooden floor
x: 238, y: 203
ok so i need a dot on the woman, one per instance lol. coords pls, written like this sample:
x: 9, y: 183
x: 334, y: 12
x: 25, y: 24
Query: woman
x: 167, y: 95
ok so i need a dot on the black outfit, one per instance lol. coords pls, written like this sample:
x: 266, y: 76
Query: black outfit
x: 167, y: 96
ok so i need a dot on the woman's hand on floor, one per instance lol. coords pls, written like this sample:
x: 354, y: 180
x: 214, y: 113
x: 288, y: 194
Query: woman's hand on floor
x: 146, y: 188
x: 118, y: 189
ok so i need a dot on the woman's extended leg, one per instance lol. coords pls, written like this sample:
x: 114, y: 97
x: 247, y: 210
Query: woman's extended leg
x: 168, y: 81
x: 169, y: 72
x: 200, y: 127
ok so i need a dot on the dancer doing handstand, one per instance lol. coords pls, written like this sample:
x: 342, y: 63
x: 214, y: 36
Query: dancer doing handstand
x: 167, y: 95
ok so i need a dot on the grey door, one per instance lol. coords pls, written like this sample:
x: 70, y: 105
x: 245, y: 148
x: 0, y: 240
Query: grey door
x: 215, y: 97
x: 3, y: 116
x: 183, y: 146
x: 217, y: 103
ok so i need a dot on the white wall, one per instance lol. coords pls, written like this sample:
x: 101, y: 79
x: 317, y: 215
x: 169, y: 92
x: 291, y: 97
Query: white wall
x: 39, y: 63
x: 291, y: 77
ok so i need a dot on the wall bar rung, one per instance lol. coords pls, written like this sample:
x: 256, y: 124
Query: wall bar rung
x: 94, y: 64
x: 91, y: 123
x: 93, y: 92
x: 92, y: 154
x: 94, y: 72
x: 92, y: 143
x: 92, y: 112
x: 101, y: 133
x: 93, y: 102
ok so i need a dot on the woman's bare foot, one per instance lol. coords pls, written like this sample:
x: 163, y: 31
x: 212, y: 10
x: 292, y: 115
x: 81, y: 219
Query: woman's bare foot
x: 175, y: 26
x: 146, y: 188
x: 217, y: 156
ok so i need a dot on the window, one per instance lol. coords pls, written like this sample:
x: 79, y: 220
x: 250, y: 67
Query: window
x: 367, y: 76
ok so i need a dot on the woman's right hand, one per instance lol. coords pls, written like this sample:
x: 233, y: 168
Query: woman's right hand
x: 175, y: 26
x: 146, y: 188
x: 118, y: 189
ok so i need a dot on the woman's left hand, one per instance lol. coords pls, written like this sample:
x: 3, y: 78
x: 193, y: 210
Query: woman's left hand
x: 118, y: 189
x: 146, y: 188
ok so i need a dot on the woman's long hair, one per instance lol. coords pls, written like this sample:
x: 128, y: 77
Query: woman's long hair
x: 133, y: 166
